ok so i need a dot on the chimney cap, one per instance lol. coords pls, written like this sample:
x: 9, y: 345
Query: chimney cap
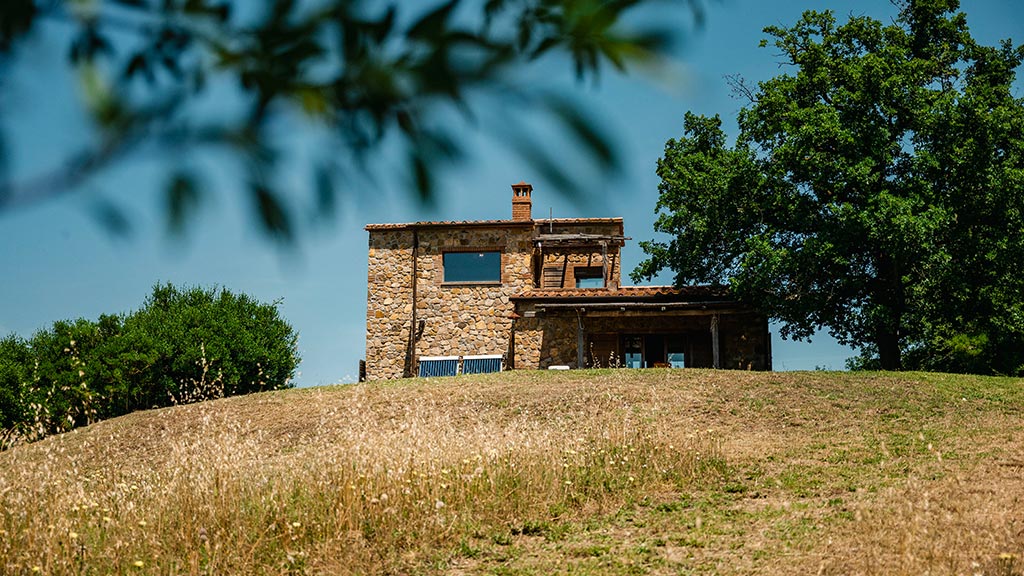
x: 521, y: 201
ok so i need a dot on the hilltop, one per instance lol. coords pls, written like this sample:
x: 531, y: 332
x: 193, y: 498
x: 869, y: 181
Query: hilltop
x: 599, y: 472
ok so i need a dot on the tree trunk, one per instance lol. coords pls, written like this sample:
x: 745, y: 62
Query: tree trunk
x: 888, y: 342
x: 889, y: 295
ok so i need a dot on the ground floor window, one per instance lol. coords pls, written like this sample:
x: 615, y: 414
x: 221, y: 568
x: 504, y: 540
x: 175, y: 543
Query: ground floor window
x: 436, y: 366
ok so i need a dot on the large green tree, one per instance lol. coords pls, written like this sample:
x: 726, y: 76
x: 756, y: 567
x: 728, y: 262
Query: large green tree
x: 178, y: 79
x: 874, y: 190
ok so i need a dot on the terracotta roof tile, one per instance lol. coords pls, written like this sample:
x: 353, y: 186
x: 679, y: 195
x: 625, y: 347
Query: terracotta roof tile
x: 484, y: 223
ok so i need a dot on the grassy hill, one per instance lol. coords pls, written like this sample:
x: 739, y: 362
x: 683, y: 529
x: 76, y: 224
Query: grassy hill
x: 586, y: 472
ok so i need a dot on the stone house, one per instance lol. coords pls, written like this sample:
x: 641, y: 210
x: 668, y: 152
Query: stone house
x: 476, y: 296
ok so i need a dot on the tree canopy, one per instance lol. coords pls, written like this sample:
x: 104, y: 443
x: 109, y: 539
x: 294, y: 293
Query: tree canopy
x: 874, y: 190
x: 369, y: 75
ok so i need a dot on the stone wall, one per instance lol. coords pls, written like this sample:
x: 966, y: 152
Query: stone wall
x: 388, y: 302
x: 457, y: 319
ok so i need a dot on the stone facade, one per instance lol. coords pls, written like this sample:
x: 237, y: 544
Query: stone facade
x: 534, y: 315
x: 452, y: 318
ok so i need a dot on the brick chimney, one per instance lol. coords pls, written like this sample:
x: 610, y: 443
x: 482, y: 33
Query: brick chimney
x: 522, y: 202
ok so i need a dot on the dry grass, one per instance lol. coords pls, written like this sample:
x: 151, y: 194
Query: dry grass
x: 619, y: 472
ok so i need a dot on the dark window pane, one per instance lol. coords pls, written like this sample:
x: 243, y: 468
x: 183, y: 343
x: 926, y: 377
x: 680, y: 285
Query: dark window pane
x: 472, y: 267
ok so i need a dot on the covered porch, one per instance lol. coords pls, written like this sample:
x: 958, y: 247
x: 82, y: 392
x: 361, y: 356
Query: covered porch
x: 638, y: 328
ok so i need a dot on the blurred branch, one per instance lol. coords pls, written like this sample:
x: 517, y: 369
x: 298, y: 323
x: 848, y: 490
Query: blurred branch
x: 359, y: 70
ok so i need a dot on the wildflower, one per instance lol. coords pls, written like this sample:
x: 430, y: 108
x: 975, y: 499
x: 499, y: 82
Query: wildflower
x: 296, y: 525
x: 438, y: 505
x: 631, y: 479
x: 138, y: 563
x: 37, y: 568
x: 568, y: 482
x: 73, y: 535
x: 142, y: 523
x: 107, y: 519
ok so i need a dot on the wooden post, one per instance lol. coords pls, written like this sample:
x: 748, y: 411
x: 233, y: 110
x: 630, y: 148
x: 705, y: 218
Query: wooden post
x: 604, y: 262
x: 580, y: 342
x: 714, y: 342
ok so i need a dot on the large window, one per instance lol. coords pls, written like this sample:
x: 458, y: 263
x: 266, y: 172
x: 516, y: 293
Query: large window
x: 472, y: 267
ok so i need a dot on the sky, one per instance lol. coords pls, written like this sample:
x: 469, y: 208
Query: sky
x: 57, y: 262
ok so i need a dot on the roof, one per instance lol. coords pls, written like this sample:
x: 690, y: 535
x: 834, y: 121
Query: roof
x: 651, y: 293
x: 491, y: 223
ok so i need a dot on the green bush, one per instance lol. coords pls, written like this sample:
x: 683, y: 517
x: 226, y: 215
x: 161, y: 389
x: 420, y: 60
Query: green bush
x: 182, y: 346
x: 204, y: 342
x: 15, y: 364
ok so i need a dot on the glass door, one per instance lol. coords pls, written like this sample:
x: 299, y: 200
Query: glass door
x: 633, y: 351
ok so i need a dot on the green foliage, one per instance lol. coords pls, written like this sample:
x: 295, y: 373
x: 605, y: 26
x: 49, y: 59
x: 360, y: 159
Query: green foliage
x: 62, y: 390
x: 182, y: 346
x: 200, y: 336
x: 15, y: 364
x: 353, y: 73
x: 873, y: 190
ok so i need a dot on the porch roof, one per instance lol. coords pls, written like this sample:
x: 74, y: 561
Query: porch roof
x: 634, y: 294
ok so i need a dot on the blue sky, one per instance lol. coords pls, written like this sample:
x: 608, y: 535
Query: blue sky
x: 58, y: 263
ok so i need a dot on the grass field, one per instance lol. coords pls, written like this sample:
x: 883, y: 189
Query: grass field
x: 583, y: 472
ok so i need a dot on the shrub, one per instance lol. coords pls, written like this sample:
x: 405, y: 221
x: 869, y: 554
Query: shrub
x: 182, y: 346
x: 208, y: 342
x: 15, y: 361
